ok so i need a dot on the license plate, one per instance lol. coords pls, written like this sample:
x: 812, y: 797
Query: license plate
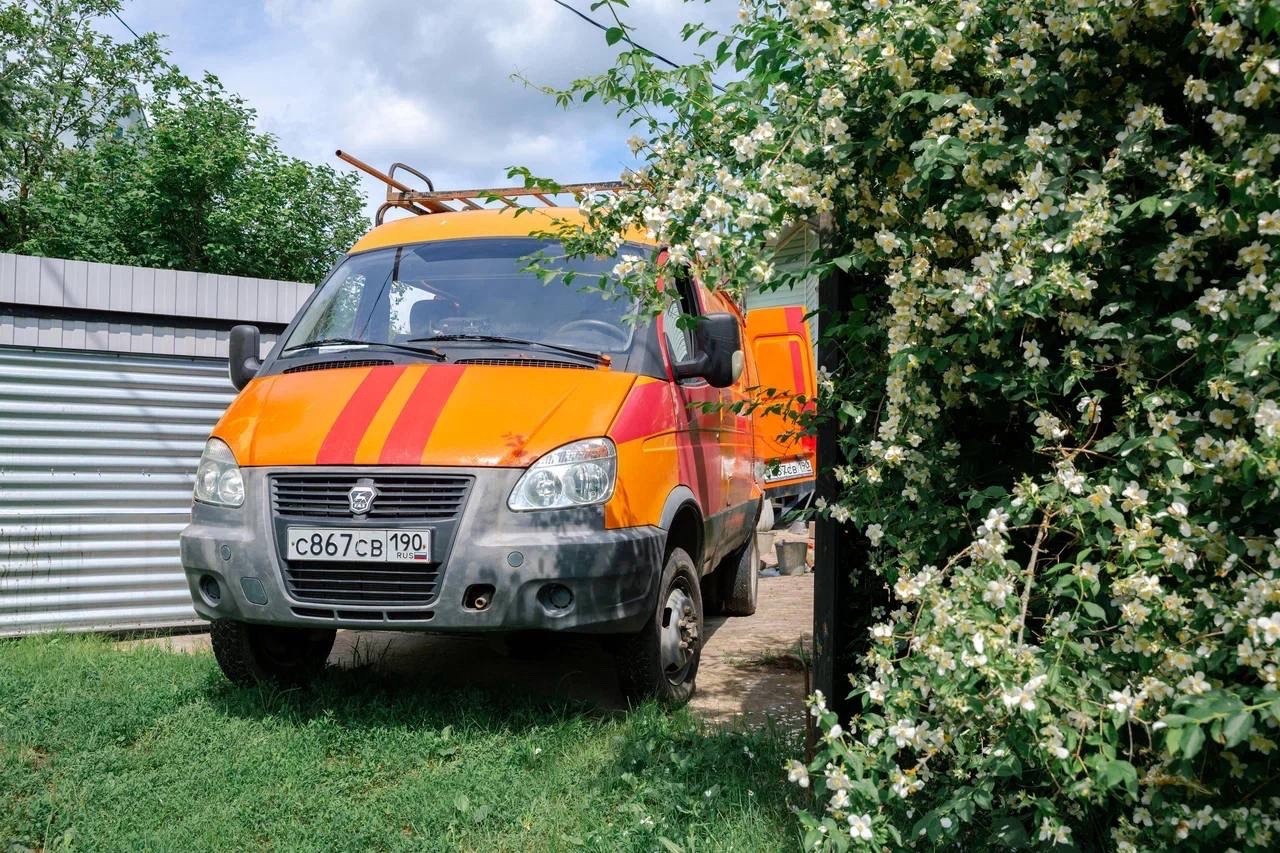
x: 359, y: 545
x: 788, y: 470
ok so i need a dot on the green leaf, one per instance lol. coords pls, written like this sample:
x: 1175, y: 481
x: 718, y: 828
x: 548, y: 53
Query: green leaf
x: 1117, y: 772
x: 613, y: 35
x: 1192, y: 741
x: 1238, y: 727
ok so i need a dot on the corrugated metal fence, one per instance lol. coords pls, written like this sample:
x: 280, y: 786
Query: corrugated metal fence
x: 97, y: 455
x: 110, y: 380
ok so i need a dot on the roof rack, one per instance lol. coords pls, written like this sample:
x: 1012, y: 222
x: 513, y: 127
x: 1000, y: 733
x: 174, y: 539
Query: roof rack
x: 425, y: 202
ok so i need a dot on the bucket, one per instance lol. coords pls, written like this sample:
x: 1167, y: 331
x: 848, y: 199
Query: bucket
x: 792, y: 557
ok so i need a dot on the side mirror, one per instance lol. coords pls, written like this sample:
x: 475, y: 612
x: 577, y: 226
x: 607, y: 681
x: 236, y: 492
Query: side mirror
x: 719, y: 359
x: 243, y: 359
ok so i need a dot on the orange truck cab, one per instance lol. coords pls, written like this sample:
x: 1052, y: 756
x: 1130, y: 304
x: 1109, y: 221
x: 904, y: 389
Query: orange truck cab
x: 443, y: 441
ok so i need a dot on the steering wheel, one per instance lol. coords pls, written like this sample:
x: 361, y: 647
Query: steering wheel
x: 599, y: 326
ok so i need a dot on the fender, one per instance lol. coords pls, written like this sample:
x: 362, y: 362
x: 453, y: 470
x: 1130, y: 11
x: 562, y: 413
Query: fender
x: 679, y: 496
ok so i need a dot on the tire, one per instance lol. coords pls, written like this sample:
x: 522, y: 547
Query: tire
x: 652, y: 664
x: 740, y: 580
x: 268, y: 654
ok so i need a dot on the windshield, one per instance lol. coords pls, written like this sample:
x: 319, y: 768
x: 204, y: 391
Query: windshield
x: 467, y: 288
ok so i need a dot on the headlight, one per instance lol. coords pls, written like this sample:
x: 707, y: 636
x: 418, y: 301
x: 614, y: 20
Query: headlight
x: 218, y: 478
x: 578, y: 474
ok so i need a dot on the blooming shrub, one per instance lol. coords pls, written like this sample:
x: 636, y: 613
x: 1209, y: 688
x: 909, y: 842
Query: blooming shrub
x: 1060, y: 408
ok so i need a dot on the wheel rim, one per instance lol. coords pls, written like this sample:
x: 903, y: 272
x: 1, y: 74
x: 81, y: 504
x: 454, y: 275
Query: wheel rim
x: 678, y: 640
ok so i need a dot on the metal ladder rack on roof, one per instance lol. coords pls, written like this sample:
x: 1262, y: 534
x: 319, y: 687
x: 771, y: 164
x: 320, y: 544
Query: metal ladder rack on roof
x: 425, y: 202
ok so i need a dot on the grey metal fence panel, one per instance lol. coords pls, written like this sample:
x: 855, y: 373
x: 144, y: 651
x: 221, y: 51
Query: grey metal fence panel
x: 55, y: 283
x: 97, y: 457
x: 18, y: 329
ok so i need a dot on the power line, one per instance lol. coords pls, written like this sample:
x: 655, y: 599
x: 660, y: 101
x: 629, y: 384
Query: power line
x: 116, y: 15
x: 599, y: 26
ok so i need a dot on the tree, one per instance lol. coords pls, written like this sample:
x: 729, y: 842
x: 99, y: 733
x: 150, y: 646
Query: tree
x: 63, y: 85
x: 178, y: 178
x: 197, y: 188
x: 1061, y: 412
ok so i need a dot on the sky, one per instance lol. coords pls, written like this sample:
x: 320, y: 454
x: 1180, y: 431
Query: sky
x: 431, y: 83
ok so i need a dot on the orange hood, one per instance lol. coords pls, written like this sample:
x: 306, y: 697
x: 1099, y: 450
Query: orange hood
x: 440, y: 414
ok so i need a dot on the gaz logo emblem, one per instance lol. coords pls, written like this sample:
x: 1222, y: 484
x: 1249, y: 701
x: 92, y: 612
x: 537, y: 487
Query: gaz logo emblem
x: 361, y: 499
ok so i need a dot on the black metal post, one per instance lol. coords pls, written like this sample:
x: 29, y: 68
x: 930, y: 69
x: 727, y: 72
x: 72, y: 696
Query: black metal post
x: 837, y: 549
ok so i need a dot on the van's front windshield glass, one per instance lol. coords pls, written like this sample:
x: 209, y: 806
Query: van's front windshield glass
x: 467, y: 288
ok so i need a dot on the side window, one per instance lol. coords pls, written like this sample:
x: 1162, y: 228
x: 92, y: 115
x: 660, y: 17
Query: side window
x: 410, y: 317
x: 334, y: 313
x: 680, y: 341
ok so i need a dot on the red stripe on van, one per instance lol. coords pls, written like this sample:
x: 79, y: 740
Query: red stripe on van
x: 339, y: 446
x: 797, y: 368
x: 408, y: 437
x: 795, y: 321
x: 647, y: 411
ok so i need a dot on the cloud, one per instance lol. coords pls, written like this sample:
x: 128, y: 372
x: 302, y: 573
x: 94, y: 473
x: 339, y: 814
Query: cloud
x: 433, y: 83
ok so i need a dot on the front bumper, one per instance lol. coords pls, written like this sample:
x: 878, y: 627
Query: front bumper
x: 612, y: 575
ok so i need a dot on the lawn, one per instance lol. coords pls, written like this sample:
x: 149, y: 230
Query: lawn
x: 110, y: 750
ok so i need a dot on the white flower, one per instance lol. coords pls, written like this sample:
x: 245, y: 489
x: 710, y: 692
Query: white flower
x: 1123, y: 702
x: 874, y: 533
x: 798, y: 773
x: 997, y: 592
x: 1269, y: 223
x: 1031, y: 352
x: 903, y: 733
x: 1135, y: 497
x: 1071, y: 479
x: 831, y: 99
x: 995, y: 523
x: 1049, y: 426
x: 887, y: 241
x: 1194, y: 684
x: 860, y: 826
x: 1267, y: 418
x: 1267, y: 628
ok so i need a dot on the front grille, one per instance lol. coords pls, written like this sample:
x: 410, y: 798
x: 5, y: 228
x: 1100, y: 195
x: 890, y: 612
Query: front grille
x: 352, y: 362
x: 402, y: 497
x: 434, y: 501
x: 362, y: 583
x: 525, y: 362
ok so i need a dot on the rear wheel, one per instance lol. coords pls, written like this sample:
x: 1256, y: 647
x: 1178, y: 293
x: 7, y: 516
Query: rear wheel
x: 740, y: 580
x: 661, y: 661
x: 254, y: 654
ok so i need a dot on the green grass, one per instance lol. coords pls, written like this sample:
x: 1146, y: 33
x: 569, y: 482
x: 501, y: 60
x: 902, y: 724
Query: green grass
x: 148, y: 750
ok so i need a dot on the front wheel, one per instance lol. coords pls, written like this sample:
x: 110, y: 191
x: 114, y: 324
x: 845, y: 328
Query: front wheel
x: 255, y: 654
x: 661, y: 661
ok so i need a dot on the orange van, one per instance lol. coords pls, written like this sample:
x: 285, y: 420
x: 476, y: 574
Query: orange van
x: 440, y: 441
x: 784, y: 384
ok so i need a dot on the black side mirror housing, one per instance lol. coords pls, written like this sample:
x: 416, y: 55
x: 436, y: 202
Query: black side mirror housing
x: 719, y: 359
x: 244, y: 349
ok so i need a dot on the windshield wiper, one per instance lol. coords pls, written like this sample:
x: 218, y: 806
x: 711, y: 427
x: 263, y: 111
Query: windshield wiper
x: 598, y: 357
x: 326, y: 342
